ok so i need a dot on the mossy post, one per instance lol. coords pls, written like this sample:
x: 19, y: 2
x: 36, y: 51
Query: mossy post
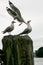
x: 18, y: 50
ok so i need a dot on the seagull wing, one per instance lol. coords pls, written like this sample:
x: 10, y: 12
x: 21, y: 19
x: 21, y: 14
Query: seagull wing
x: 8, y: 29
x: 12, y: 13
x: 26, y: 31
x: 15, y: 9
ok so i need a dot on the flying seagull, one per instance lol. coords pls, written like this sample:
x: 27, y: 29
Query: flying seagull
x: 28, y: 29
x: 17, y: 11
x: 9, y: 28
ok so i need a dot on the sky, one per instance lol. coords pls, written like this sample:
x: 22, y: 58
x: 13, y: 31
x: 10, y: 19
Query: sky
x: 30, y: 10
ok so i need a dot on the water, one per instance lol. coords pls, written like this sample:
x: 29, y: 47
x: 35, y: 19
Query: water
x: 38, y: 61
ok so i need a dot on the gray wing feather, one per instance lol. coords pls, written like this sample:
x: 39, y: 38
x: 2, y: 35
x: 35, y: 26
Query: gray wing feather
x: 8, y: 29
x: 15, y: 9
x: 12, y: 13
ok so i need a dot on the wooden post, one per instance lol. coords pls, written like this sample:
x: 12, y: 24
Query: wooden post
x: 18, y: 50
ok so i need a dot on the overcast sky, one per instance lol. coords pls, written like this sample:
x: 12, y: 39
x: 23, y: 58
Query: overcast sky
x: 30, y: 10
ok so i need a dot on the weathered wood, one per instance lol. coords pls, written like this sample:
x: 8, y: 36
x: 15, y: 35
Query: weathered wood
x: 18, y: 50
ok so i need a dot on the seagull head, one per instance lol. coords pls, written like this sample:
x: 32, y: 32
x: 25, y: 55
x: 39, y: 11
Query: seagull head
x: 28, y: 23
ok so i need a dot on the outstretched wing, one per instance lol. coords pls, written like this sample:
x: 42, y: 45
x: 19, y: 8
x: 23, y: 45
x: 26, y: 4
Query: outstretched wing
x: 12, y: 13
x: 15, y: 9
x: 15, y: 13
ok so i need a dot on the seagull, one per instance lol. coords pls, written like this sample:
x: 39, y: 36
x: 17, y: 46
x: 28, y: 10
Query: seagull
x: 9, y: 28
x: 27, y: 30
x: 17, y: 11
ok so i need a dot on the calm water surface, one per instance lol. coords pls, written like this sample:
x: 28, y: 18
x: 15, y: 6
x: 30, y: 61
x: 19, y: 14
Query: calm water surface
x: 38, y: 61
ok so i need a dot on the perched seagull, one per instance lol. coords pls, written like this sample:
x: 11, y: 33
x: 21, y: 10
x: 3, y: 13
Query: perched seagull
x: 27, y: 30
x: 9, y: 28
x: 17, y: 11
